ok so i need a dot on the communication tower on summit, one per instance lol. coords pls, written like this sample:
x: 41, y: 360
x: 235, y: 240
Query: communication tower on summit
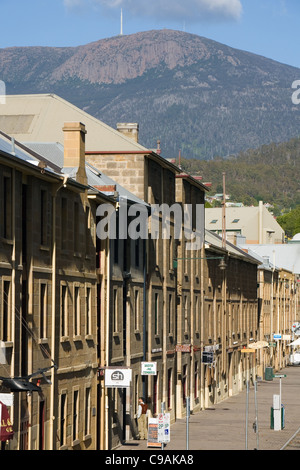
x: 121, y: 30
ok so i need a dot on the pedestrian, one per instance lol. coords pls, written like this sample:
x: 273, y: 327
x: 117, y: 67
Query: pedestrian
x: 142, y: 419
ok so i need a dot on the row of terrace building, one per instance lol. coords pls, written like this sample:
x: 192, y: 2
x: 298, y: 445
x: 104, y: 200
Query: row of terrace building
x: 85, y: 302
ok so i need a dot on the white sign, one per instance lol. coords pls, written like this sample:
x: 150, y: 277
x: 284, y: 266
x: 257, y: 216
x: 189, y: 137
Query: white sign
x: 163, y: 431
x: 118, y: 378
x: 7, y: 399
x: 149, y: 368
x: 2, y: 353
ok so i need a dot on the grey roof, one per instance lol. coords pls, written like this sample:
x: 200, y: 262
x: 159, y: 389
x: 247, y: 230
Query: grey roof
x: 215, y: 241
x: 54, y: 151
x: 285, y: 256
x: 21, y: 152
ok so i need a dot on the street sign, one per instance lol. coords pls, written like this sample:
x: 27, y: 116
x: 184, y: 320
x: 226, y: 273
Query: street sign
x: 152, y: 440
x: 277, y: 336
x: 118, y: 378
x: 207, y: 357
x: 163, y: 431
x: 279, y: 376
x: 149, y: 368
x: 247, y: 350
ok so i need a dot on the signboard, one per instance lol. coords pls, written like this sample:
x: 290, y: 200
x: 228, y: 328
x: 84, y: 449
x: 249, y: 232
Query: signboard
x: 153, y: 433
x: 279, y: 376
x: 118, y: 378
x: 163, y: 431
x: 277, y: 336
x: 247, y: 350
x: 7, y: 399
x: 149, y: 368
x: 207, y: 357
x: 2, y: 353
x: 6, y: 430
x: 183, y: 348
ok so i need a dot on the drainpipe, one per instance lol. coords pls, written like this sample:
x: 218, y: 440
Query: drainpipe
x: 144, y: 312
x: 54, y: 275
x: 107, y: 339
x: 13, y: 275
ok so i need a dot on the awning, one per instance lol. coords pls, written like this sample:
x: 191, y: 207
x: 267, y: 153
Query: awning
x: 258, y: 345
x: 6, y: 430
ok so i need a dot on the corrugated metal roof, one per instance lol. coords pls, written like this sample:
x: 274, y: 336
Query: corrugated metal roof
x: 286, y: 256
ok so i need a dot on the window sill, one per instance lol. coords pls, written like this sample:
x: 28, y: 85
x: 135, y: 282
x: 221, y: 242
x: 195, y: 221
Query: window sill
x: 77, y: 338
x: 8, y: 241
x: 43, y: 341
x: 64, y: 339
x: 44, y: 248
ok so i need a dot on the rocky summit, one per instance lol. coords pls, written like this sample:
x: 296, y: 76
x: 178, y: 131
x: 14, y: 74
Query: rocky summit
x: 193, y: 94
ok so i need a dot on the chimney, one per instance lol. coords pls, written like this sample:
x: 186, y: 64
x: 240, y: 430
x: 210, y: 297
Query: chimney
x: 129, y: 129
x: 74, y: 149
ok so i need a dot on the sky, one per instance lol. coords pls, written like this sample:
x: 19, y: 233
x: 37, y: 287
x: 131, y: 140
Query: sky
x: 266, y: 27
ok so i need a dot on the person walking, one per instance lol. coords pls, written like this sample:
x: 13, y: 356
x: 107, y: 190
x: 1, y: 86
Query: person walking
x: 142, y: 419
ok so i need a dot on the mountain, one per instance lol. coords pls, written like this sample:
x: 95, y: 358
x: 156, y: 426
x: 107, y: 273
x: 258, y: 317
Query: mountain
x: 192, y: 93
x: 270, y: 173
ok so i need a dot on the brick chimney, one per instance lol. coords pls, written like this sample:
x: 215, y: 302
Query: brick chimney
x: 129, y: 129
x: 74, y: 149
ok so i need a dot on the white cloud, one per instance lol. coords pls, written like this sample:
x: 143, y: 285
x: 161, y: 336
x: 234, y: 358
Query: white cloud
x: 192, y: 10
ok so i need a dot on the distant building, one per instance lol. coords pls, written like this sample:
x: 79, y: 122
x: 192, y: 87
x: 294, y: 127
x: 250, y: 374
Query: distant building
x: 255, y: 225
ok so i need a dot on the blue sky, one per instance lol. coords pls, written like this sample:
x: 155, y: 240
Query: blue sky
x: 266, y: 27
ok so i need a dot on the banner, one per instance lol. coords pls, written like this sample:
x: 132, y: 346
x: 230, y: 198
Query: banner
x: 6, y: 430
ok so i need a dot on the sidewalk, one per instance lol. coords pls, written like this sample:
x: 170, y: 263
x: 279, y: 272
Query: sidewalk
x: 223, y: 426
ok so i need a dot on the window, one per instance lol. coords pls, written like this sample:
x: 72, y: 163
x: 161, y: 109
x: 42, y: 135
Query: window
x: 214, y: 221
x: 197, y: 314
x: 43, y: 311
x: 6, y: 312
x: 209, y: 321
x: 76, y: 227
x: 185, y: 306
x: 169, y: 389
x: 184, y: 383
x: 137, y: 252
x: 64, y: 223
x: 88, y: 234
x: 63, y: 419
x: 171, y: 253
x: 155, y: 393
x: 64, y: 311
x: 87, y: 415
x: 115, y: 312
x: 43, y: 217
x: 88, y: 312
x: 235, y: 221
x: 7, y: 207
x: 76, y: 310
x: 136, y: 310
x: 170, y: 315
x: 156, y: 299
x: 75, y: 414
x: 196, y: 380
